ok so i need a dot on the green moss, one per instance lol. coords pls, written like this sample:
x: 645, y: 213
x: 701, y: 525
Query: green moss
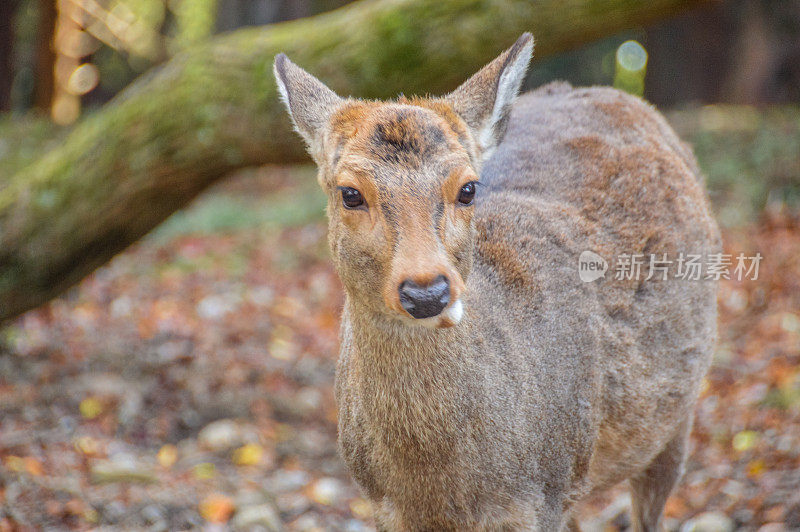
x: 212, y: 109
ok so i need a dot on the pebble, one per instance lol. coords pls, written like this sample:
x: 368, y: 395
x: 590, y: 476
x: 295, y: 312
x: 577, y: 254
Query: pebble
x: 327, y: 491
x: 307, y: 401
x: 152, y: 514
x: 709, y: 522
x: 286, y: 480
x: 293, y: 503
x: 113, y: 511
x: 263, y: 515
x: 354, y: 525
x: 307, y: 523
x: 214, y: 307
x: 773, y: 527
x: 220, y: 435
x: 311, y: 443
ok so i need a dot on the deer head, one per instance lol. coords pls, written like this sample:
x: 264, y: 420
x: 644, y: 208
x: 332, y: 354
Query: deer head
x: 401, y: 178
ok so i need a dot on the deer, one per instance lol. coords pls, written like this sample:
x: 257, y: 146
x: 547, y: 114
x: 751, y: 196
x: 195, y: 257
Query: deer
x: 481, y: 384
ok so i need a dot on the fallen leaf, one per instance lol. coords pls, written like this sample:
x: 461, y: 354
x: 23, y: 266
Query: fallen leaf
x: 91, y: 407
x: 745, y: 440
x: 756, y: 468
x: 33, y: 466
x: 167, y: 455
x: 248, y: 455
x: 217, y: 508
x: 87, y: 445
x: 15, y: 463
x: 205, y: 471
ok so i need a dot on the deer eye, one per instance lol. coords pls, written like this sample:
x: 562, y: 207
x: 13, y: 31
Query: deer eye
x: 351, y: 198
x: 467, y: 193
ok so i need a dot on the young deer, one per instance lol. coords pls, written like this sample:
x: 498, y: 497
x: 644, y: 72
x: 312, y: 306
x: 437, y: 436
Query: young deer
x: 481, y: 384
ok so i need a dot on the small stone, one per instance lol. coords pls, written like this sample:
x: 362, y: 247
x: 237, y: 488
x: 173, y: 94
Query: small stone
x: 214, y: 307
x: 743, y: 515
x: 790, y: 322
x: 293, y: 504
x: 286, y: 480
x: 220, y: 435
x: 311, y: 443
x: 773, y: 527
x: 152, y: 514
x: 354, y: 525
x: 306, y: 523
x: 130, y: 407
x: 307, y: 400
x: 733, y: 489
x: 171, y: 351
x: 263, y: 515
x: 121, y: 307
x: 326, y: 491
x: 262, y: 295
x: 113, y: 511
x: 709, y: 522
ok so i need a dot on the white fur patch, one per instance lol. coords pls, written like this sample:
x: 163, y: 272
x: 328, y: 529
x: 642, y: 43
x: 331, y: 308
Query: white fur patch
x: 454, y: 312
x: 448, y: 318
x: 282, y: 88
x: 507, y: 89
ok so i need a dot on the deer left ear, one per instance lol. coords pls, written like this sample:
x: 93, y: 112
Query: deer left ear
x: 309, y: 102
x: 484, y: 100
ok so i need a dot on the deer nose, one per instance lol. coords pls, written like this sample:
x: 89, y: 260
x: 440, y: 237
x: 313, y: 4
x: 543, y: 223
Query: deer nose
x: 425, y: 301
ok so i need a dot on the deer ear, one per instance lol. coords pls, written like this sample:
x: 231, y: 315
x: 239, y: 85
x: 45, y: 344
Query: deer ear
x: 485, y: 99
x: 309, y: 101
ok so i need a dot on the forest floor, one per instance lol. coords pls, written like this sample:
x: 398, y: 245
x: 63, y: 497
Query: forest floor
x: 188, y: 384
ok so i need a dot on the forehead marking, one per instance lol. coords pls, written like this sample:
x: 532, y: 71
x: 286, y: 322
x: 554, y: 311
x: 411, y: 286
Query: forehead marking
x: 408, y: 135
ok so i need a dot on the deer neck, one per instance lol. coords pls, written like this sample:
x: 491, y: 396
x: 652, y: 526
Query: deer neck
x: 409, y: 376
x: 385, y: 340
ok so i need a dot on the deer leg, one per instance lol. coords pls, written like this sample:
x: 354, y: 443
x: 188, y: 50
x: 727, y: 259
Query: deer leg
x: 572, y: 525
x: 651, y: 488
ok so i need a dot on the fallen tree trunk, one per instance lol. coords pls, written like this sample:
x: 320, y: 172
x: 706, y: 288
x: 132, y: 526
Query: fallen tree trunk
x: 214, y: 109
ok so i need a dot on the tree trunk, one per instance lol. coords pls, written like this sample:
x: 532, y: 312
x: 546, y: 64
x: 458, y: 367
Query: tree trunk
x: 45, y: 56
x: 7, y: 10
x: 214, y: 109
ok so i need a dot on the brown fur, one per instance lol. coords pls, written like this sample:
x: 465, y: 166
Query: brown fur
x: 549, y: 388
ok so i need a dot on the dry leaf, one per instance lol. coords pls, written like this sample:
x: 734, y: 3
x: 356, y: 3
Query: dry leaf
x: 217, y: 508
x: 91, y: 407
x: 167, y: 455
x: 248, y: 455
x: 205, y: 471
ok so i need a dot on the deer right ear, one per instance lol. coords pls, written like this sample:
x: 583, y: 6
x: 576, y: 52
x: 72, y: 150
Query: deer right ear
x: 309, y: 101
x: 485, y: 99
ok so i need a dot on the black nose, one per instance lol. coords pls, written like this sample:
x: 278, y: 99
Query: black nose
x: 425, y: 301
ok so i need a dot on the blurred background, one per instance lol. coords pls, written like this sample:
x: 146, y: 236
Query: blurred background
x: 188, y: 383
x: 63, y: 58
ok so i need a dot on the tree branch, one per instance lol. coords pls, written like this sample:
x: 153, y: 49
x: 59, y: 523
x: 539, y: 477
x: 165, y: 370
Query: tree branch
x: 214, y: 109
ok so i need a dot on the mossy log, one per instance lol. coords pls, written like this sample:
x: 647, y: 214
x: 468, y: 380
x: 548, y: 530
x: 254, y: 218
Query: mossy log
x: 214, y: 108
